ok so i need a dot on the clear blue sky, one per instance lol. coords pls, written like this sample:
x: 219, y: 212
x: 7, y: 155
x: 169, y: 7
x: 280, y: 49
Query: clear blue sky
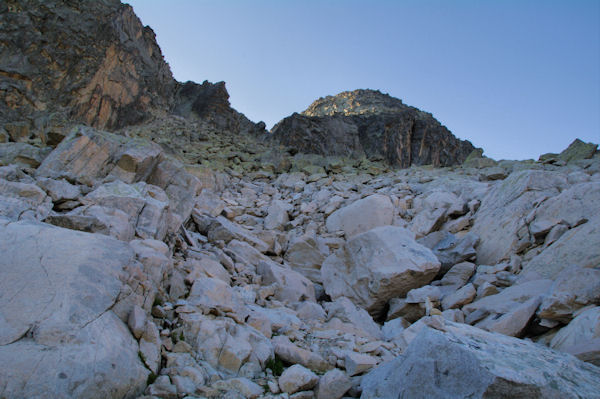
x: 516, y: 77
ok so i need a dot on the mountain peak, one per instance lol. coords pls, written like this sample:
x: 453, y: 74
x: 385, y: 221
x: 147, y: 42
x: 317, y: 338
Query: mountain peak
x: 355, y: 102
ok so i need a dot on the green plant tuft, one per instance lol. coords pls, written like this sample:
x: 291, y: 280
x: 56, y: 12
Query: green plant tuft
x: 142, y: 357
x: 157, y: 302
x: 151, y: 378
x: 275, y: 364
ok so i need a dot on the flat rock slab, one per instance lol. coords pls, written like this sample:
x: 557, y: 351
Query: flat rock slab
x: 57, y: 289
x: 460, y: 361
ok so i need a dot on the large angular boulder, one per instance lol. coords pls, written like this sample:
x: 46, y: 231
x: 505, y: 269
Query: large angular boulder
x: 500, y: 221
x: 373, y: 267
x: 89, y: 156
x: 581, y: 337
x: 370, y: 212
x: 459, y: 361
x: 573, y: 289
x: 58, y: 289
x: 305, y: 255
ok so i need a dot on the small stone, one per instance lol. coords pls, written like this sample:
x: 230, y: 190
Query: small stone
x: 333, y: 385
x: 357, y: 363
x: 137, y: 321
x: 297, y: 378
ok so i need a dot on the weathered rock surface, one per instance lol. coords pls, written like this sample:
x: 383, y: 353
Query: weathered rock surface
x: 374, y: 124
x: 363, y: 215
x: 581, y: 337
x: 500, y: 222
x: 95, y: 63
x: 58, y: 291
x: 509, y: 311
x: 378, y: 265
x: 458, y: 361
x: 95, y: 60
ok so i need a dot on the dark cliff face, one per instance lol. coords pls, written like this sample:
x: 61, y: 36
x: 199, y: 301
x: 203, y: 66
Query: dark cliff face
x: 92, y: 61
x: 367, y: 122
x: 210, y: 102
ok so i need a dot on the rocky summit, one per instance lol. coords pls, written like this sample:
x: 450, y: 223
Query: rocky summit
x: 378, y: 126
x: 155, y: 243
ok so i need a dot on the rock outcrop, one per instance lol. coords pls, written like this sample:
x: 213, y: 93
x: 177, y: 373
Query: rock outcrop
x: 93, y: 62
x: 372, y: 124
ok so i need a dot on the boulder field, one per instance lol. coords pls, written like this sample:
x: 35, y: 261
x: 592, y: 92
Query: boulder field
x: 155, y: 243
x: 125, y: 273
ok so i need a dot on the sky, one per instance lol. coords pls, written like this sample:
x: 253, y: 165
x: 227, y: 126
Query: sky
x: 518, y: 78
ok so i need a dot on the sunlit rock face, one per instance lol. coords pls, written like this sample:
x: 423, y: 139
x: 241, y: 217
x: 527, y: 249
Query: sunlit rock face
x: 372, y: 124
x: 93, y: 59
x: 93, y: 62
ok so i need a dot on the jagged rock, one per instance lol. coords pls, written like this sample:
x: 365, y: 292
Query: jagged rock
x: 60, y: 316
x: 297, y: 378
x: 358, y: 363
x: 392, y: 328
x: 59, y: 190
x: 433, y: 209
x: 244, y: 386
x: 305, y: 256
x: 510, y: 311
x: 277, y: 215
x: 213, y: 294
x: 209, y: 203
x: 277, y: 318
x: 581, y: 337
x: 572, y: 207
x: 223, y: 229
x: 578, y: 246
x: 94, y: 60
x: 573, y: 289
x: 362, y: 215
x: 450, y: 249
x: 226, y: 345
x: 137, y: 321
x: 96, y: 219
x: 21, y: 201
x: 333, y: 385
x: 308, y: 311
x: 459, y: 274
x: 411, y: 312
x: 22, y: 154
x: 291, y: 353
x: 210, y: 102
x: 292, y: 286
x: 162, y: 388
x: 457, y: 361
x: 578, y: 150
x: 145, y: 205
x: 376, y: 266
x: 358, y: 320
x: 419, y: 295
x: 460, y: 297
x: 374, y: 124
x: 205, y: 267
